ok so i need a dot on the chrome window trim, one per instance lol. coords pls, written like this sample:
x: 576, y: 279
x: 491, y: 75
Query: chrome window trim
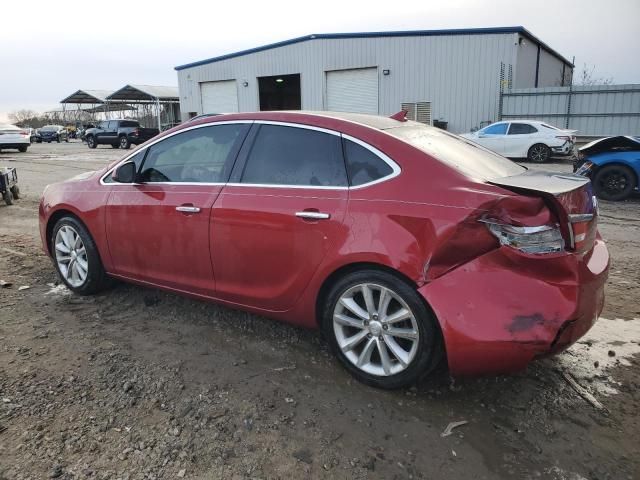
x: 396, y: 170
x: 135, y: 152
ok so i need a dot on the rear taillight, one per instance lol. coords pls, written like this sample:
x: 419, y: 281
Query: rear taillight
x: 534, y: 240
x: 24, y: 132
x: 135, y: 132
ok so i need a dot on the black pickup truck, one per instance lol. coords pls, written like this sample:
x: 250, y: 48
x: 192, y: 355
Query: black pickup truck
x: 118, y: 134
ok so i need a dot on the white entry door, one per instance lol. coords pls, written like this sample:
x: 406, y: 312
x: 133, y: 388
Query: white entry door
x: 353, y: 90
x: 219, y: 97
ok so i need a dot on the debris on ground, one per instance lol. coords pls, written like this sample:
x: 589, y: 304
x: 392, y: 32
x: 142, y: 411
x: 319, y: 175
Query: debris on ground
x: 449, y: 430
x: 24, y: 287
x: 4, y: 284
x: 583, y: 392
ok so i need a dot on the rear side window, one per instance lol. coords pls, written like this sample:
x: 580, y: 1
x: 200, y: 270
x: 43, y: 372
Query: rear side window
x: 497, y: 129
x: 284, y: 155
x: 363, y: 165
x: 469, y: 158
x: 201, y: 155
x: 128, y: 123
x: 521, y: 129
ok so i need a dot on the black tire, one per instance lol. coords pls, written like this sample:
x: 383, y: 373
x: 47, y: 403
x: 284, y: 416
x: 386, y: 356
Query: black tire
x: 124, y: 142
x: 23, y: 149
x: 97, y: 280
x: 8, y: 197
x: 429, y: 351
x: 58, y: 139
x: 539, y: 153
x: 15, y: 190
x: 66, y: 139
x: 614, y: 182
x: 91, y: 142
x: 115, y: 145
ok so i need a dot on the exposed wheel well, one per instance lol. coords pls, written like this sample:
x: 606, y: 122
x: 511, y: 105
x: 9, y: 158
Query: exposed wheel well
x: 353, y: 267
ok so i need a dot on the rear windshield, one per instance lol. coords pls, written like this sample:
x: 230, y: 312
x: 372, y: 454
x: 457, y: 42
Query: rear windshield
x: 48, y: 128
x: 471, y: 159
x: 128, y: 123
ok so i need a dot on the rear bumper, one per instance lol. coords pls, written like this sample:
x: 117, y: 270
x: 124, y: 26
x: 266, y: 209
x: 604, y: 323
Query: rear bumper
x: 501, y: 311
x: 566, y: 149
x: 15, y: 144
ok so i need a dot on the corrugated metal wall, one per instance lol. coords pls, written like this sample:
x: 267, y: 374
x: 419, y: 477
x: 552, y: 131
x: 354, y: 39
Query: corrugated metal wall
x: 593, y: 110
x: 459, y: 75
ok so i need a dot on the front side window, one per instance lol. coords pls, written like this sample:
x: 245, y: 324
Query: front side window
x: 363, y: 165
x: 201, y: 155
x: 284, y: 155
x: 496, y: 129
x: 521, y: 129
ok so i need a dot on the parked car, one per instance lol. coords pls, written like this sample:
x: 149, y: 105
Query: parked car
x: 612, y: 164
x: 405, y: 244
x: 118, y: 134
x: 14, y: 137
x: 52, y: 133
x: 535, y: 141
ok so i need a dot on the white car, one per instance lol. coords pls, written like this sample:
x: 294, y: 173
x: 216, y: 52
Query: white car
x: 14, y: 137
x: 536, y: 141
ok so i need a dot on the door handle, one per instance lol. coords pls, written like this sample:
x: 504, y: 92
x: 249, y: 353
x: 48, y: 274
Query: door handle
x: 188, y: 209
x: 313, y: 215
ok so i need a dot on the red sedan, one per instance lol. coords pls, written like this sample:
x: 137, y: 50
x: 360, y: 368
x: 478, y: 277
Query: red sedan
x: 405, y: 244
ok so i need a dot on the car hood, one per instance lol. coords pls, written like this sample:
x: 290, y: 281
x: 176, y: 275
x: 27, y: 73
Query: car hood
x: 610, y: 144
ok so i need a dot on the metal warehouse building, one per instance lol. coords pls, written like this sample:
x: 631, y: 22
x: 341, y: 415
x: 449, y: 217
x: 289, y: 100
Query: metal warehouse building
x: 453, y: 76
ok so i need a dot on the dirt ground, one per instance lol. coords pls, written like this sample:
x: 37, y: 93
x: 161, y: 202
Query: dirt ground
x: 136, y: 383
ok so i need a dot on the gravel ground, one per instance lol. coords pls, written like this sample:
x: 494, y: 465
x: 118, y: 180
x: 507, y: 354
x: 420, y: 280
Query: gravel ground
x: 137, y: 383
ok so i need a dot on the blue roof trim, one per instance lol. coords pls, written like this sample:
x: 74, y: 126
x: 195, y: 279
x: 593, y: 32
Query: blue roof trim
x: 410, y: 33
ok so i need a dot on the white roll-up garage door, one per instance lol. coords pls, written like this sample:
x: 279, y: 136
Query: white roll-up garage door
x: 219, y: 97
x: 353, y: 90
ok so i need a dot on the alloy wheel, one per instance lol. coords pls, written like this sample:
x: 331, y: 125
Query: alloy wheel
x: 614, y: 183
x: 539, y: 153
x: 375, y: 329
x: 71, y: 256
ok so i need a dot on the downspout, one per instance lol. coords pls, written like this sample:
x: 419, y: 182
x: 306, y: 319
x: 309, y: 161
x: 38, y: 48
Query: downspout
x: 537, y: 66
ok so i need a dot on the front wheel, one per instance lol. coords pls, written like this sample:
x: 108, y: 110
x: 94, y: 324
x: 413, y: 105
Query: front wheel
x: 614, y: 182
x: 76, y: 257
x: 15, y: 190
x: 539, y: 153
x: 8, y: 197
x: 124, y: 143
x: 58, y: 139
x: 91, y: 142
x: 381, y: 330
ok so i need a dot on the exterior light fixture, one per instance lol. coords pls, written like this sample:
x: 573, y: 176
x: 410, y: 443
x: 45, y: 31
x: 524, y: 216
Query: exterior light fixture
x: 386, y: 72
x: 245, y: 84
x: 279, y: 80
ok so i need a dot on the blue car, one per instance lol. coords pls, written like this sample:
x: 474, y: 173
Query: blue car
x: 613, y: 165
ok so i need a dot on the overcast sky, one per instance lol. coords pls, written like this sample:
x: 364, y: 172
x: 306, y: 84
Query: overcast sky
x: 49, y: 50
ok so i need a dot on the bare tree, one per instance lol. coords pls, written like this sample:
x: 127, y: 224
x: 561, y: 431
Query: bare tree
x: 587, y: 77
x: 22, y: 117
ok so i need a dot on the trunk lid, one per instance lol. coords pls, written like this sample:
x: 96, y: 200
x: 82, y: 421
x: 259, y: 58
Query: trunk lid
x: 570, y: 197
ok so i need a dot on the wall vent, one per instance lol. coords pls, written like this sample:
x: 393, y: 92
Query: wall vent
x: 418, y: 111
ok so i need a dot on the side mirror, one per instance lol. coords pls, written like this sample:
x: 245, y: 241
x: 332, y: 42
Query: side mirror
x: 125, y: 173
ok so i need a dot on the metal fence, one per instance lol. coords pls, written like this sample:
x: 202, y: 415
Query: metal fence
x: 597, y: 110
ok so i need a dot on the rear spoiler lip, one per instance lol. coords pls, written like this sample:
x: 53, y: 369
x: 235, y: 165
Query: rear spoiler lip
x: 550, y: 183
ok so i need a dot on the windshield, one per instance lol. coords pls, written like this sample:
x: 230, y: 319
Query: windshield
x: 49, y: 128
x: 471, y: 159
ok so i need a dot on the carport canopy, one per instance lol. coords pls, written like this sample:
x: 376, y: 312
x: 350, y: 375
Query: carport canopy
x: 88, y: 96
x: 145, y: 93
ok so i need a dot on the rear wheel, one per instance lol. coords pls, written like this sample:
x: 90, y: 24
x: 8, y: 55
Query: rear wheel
x: 614, y: 182
x: 58, y: 139
x: 76, y: 257
x: 16, y: 192
x: 91, y: 142
x: 23, y: 149
x: 124, y: 142
x: 8, y: 197
x: 539, y: 153
x: 380, y: 329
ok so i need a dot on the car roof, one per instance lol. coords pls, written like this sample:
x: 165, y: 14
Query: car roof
x: 376, y: 122
x: 6, y: 126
